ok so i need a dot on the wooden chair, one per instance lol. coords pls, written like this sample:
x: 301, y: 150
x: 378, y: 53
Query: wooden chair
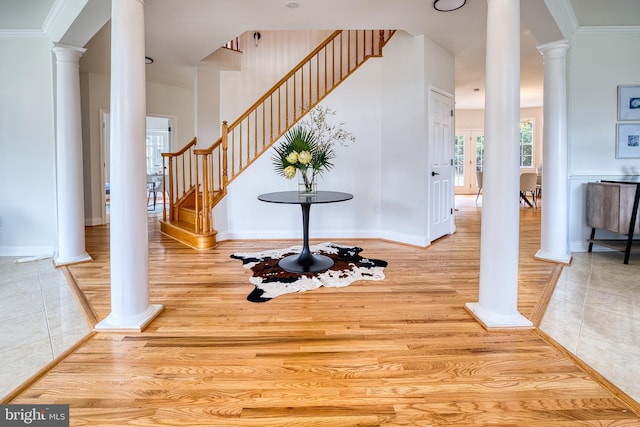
x: 528, y: 183
x: 155, y: 185
x: 478, y: 184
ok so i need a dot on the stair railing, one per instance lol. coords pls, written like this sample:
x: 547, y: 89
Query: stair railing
x: 180, y: 170
x: 244, y: 140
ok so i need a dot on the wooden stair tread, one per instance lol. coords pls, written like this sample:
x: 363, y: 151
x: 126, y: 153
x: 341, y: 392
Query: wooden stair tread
x: 184, y: 232
x: 185, y: 225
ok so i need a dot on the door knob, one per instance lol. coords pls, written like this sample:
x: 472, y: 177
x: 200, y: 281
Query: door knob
x: 434, y: 173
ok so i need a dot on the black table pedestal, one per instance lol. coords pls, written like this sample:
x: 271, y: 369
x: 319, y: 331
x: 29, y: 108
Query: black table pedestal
x: 305, y: 262
x: 298, y: 264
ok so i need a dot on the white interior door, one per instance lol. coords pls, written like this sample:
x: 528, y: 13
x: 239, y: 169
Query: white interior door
x: 441, y: 165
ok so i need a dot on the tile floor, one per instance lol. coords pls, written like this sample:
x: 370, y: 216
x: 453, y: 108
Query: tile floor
x: 39, y: 319
x: 594, y: 313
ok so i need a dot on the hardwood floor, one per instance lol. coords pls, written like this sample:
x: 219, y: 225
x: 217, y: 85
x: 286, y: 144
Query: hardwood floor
x: 402, y: 351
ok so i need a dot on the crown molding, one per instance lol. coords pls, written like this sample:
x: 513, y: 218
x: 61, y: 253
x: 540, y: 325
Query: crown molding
x: 606, y: 29
x: 54, y: 13
x: 564, y: 16
x: 22, y: 33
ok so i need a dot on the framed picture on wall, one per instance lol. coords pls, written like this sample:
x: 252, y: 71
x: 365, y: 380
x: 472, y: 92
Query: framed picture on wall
x: 628, y: 102
x: 628, y: 141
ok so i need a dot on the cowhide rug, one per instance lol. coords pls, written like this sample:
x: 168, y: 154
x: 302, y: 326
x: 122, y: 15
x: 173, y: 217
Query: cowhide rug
x: 271, y: 281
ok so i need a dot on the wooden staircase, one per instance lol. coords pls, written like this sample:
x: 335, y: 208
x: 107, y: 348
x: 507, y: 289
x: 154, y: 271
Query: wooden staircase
x: 198, y: 178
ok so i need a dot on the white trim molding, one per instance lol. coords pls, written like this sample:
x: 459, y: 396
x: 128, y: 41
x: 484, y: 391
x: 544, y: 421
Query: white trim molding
x: 564, y: 16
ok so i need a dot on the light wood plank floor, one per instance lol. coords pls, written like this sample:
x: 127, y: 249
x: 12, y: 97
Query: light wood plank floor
x: 403, y: 351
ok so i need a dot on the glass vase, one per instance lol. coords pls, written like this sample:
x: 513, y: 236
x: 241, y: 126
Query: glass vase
x: 307, y: 181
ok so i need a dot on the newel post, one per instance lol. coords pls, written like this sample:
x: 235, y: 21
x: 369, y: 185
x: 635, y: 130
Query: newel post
x: 167, y: 174
x: 196, y: 154
x: 206, y: 208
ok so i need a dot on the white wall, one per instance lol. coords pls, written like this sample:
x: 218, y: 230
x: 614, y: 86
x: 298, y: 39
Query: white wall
x: 175, y: 102
x: 469, y: 119
x: 94, y: 92
x: 262, y: 66
x: 356, y: 170
x: 474, y: 120
x: 404, y: 132
x: 162, y: 100
x: 384, y: 105
x: 598, y: 61
x: 207, y: 107
x: 27, y: 148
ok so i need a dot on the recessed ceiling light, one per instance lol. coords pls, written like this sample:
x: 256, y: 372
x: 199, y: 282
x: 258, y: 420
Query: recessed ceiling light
x: 293, y: 4
x: 448, y: 5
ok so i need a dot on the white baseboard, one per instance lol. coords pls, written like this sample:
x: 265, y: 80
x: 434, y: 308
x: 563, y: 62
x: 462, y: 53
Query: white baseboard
x: 90, y: 222
x: 323, y: 234
x: 28, y: 251
x: 584, y: 247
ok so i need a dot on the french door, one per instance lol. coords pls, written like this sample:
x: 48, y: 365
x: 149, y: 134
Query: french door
x: 467, y: 160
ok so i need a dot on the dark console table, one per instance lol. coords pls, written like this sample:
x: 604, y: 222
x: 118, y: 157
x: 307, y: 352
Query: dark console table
x: 305, y: 262
x: 612, y: 204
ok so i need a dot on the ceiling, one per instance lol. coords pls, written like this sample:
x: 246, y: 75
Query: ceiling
x: 179, y: 34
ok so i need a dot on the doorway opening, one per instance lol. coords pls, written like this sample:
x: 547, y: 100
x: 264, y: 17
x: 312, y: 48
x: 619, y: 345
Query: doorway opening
x: 158, y: 141
x: 468, y: 160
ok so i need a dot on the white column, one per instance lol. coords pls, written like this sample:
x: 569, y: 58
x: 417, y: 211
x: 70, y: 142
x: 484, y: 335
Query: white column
x: 554, y: 239
x: 500, y: 230
x: 130, y: 308
x: 69, y: 175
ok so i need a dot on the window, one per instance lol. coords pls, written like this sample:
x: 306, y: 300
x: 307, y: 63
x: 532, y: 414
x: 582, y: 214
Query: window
x: 458, y: 160
x: 479, y: 153
x: 155, y: 148
x: 468, y: 158
x: 526, y: 143
x: 158, y: 142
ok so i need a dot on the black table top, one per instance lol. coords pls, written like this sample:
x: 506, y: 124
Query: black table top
x: 295, y: 197
x: 627, y: 179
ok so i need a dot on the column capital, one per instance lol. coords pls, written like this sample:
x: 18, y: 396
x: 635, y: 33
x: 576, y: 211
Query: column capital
x: 67, y: 53
x: 555, y: 49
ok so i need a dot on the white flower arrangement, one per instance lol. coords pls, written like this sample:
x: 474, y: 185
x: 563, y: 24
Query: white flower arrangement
x: 308, y: 147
